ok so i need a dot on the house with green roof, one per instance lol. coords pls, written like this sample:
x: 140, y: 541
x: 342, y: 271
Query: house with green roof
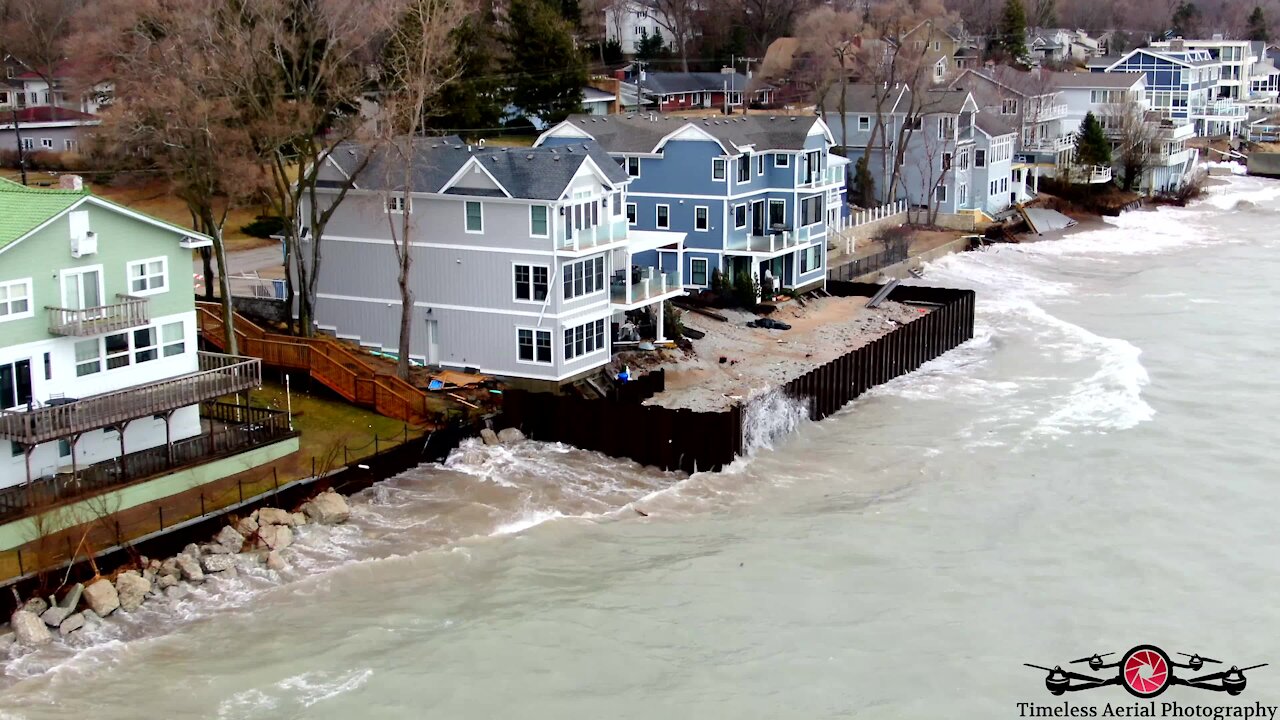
x: 102, y: 384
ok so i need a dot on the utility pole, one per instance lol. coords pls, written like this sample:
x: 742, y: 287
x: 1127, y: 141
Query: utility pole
x: 22, y: 156
x: 640, y: 68
x: 733, y: 80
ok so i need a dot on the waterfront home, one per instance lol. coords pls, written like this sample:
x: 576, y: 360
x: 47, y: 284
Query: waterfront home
x: 671, y: 91
x: 1184, y: 84
x: 997, y: 186
x: 1031, y: 102
x: 751, y: 194
x: 524, y: 264
x: 1119, y: 101
x: 101, y: 382
x: 937, y: 129
x: 1235, y: 59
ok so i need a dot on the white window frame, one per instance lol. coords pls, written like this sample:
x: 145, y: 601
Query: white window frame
x: 631, y: 160
x: 531, y: 300
x: 723, y: 165
x: 864, y: 123
x: 633, y: 214
x: 568, y: 275
x: 396, y: 205
x: 975, y: 158
x: 588, y: 332
x: 534, y: 331
x: 466, y: 205
x: 83, y: 270
x: 28, y: 143
x: 167, y: 344
x: 706, y: 221
x: 781, y: 160
x: 759, y: 164
x: 657, y: 217
x: 164, y: 276
x: 940, y: 193
x: 706, y: 272
x: 46, y: 143
x: 546, y: 223
x: 736, y: 226
x: 27, y: 283
x: 1009, y: 106
x: 135, y: 349
x: 97, y: 360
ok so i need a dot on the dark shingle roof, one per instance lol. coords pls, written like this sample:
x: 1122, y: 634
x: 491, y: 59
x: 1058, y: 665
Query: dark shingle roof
x: 528, y: 173
x: 1113, y: 80
x: 993, y: 125
x: 861, y: 98
x: 666, y: 83
x: 642, y: 133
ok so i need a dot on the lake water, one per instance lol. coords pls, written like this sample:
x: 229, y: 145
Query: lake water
x: 1092, y: 472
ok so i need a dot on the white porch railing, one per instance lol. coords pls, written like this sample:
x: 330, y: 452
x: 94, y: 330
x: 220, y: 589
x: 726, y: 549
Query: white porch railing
x: 870, y: 215
x: 776, y: 242
x: 652, y: 284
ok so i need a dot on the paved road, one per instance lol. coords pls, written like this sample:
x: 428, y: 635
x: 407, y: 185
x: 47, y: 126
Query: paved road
x: 243, y: 266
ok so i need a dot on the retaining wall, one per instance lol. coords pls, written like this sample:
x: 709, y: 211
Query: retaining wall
x: 681, y: 439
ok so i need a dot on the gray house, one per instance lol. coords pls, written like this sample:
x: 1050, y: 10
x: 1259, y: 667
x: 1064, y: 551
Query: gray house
x: 937, y: 130
x: 45, y: 128
x: 523, y: 262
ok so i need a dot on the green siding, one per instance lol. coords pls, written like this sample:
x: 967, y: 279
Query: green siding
x: 121, y: 239
x: 21, y: 532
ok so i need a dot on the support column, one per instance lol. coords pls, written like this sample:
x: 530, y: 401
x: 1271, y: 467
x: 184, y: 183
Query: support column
x: 662, y: 316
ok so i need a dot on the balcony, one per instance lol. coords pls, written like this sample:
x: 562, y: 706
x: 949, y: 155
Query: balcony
x: 62, y: 418
x: 130, y: 312
x: 772, y: 243
x: 1089, y: 174
x: 823, y: 178
x: 1046, y: 113
x: 593, y: 238
x: 1220, y: 110
x: 647, y: 284
x: 1049, y: 145
x: 232, y: 429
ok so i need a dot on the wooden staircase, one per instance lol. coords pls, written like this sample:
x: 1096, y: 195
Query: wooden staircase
x: 325, y: 361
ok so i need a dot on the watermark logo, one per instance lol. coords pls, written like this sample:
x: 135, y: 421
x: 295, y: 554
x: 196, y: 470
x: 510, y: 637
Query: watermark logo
x: 1145, y: 672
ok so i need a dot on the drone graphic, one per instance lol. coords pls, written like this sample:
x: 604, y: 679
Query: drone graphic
x: 1145, y: 671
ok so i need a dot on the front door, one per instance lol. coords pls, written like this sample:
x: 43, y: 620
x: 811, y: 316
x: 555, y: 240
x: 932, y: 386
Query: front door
x: 433, y: 342
x: 757, y: 218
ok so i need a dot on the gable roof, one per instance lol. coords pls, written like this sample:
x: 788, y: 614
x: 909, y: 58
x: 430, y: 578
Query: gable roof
x: 1024, y: 83
x: 1110, y: 80
x: 538, y: 173
x: 645, y: 134
x: 667, y: 83
x: 861, y: 98
x: 992, y: 125
x: 23, y: 209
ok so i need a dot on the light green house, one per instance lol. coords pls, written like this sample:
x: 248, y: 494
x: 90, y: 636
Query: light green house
x: 101, y: 381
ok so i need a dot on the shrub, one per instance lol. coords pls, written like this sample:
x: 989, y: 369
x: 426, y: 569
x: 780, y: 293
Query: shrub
x: 264, y: 226
x: 717, y: 282
x: 672, y: 321
x: 746, y: 290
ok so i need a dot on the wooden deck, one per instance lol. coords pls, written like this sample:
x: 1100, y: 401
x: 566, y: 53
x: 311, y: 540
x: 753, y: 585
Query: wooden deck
x: 325, y: 361
x: 218, y: 375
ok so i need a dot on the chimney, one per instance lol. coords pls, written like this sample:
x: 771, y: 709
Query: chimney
x: 71, y: 182
x: 1176, y: 44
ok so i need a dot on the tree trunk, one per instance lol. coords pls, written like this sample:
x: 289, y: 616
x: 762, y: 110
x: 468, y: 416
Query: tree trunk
x: 406, y: 314
x: 224, y: 286
x: 206, y: 259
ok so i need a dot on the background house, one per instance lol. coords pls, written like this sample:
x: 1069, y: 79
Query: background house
x: 45, y: 128
x: 672, y: 91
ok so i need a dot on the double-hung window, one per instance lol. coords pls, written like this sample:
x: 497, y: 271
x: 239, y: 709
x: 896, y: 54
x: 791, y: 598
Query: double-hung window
x: 760, y: 164
x: 117, y: 350
x: 15, y: 300
x: 979, y: 158
x: 717, y: 168
x: 744, y: 168
x: 88, y: 357
x: 172, y: 338
x: 538, y: 220
x: 701, y: 218
x: 698, y: 272
x: 663, y: 217
x: 633, y: 167
x: 739, y: 216
x: 144, y: 345
x: 395, y: 204
x: 811, y: 210
x: 781, y: 160
x: 475, y: 216
x: 148, y: 277
x: 631, y: 213
x: 864, y: 123
x: 531, y: 282
x: 533, y: 346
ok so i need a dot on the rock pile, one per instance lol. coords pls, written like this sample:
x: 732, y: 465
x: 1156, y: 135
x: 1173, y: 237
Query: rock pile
x: 254, y: 540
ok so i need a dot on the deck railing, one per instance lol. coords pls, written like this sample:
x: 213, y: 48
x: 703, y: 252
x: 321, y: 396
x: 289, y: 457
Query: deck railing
x: 129, y: 312
x: 218, y: 375
x: 236, y: 429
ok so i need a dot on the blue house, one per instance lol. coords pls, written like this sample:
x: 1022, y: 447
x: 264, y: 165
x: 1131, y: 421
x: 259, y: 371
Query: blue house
x: 752, y: 194
x: 1183, y: 85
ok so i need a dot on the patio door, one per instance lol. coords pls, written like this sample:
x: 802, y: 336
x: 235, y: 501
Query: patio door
x: 777, y: 214
x: 82, y: 289
x: 757, y: 218
x: 15, y: 384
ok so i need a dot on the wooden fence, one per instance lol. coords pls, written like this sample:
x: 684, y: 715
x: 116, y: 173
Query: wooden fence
x: 681, y: 439
x: 327, y: 362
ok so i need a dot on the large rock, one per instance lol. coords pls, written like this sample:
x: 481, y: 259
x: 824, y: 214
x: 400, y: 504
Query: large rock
x: 71, y: 624
x: 275, y: 537
x: 275, y: 562
x: 177, y: 592
x: 299, y: 519
x: 215, y: 549
x: 101, y: 597
x: 510, y: 435
x: 71, y: 600
x: 217, y: 563
x: 490, y: 437
x: 247, y: 526
x: 29, y: 629
x: 327, y: 508
x: 170, y: 568
x: 229, y: 538
x: 273, y: 516
x: 190, y: 568
x: 132, y: 589
x: 36, y: 606
x: 166, y: 581
x: 54, y: 616
x: 191, y: 549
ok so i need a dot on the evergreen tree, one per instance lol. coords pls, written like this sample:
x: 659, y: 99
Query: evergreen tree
x: 1258, y: 26
x: 1092, y: 146
x: 1186, y: 19
x: 864, y: 186
x: 477, y: 97
x: 1011, y: 33
x: 650, y: 47
x: 547, y: 73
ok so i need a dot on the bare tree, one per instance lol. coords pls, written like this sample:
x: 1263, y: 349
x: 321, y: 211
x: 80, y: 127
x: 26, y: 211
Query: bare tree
x: 677, y: 17
x: 34, y: 33
x: 419, y: 62
x: 1135, y: 134
x: 765, y: 20
x: 835, y: 38
x: 170, y: 64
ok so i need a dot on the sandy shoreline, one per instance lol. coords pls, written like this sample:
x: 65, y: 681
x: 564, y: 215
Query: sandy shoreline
x: 756, y: 359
